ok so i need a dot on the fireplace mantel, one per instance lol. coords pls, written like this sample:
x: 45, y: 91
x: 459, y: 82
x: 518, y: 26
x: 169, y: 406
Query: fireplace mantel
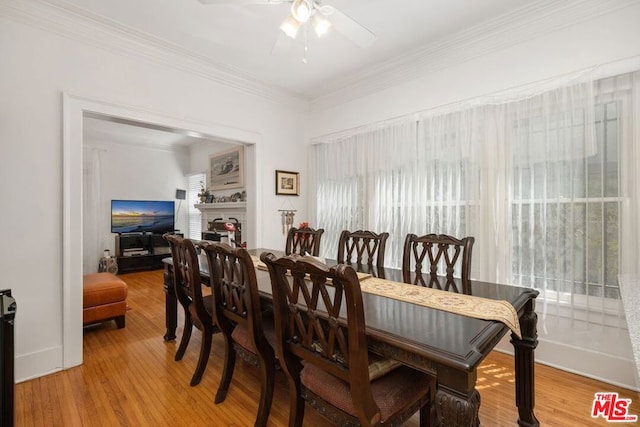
x: 211, y: 211
x: 222, y: 207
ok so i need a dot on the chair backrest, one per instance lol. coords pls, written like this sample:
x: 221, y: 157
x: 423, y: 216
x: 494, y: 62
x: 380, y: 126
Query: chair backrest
x: 303, y: 241
x: 319, y: 319
x: 448, y: 254
x: 186, y: 276
x: 366, y: 246
x: 235, y: 290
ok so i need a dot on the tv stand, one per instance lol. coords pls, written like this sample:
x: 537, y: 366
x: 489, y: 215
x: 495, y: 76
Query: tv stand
x: 138, y: 252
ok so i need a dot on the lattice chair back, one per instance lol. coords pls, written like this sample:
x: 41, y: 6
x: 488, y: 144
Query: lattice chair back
x: 303, y: 241
x: 362, y: 247
x: 438, y: 261
x: 239, y: 315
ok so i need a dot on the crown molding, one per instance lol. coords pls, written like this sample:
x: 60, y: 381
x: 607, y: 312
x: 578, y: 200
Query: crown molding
x: 69, y: 21
x: 534, y: 20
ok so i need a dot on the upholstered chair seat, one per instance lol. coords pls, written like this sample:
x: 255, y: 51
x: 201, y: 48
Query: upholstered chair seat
x: 401, y: 388
x: 241, y: 335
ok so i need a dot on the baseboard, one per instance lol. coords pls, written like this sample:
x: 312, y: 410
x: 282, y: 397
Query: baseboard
x: 38, y: 364
x: 610, y: 369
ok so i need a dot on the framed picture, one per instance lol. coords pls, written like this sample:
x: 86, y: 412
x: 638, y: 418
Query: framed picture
x: 226, y: 169
x: 209, y: 199
x: 287, y: 183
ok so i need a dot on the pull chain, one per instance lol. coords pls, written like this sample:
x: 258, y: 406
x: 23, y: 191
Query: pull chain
x: 306, y: 47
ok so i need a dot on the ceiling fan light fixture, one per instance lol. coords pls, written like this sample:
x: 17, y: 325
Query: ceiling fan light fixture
x: 301, y: 10
x: 321, y: 24
x: 290, y: 26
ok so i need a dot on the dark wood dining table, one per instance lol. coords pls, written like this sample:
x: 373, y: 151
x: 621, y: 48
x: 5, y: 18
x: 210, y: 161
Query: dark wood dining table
x: 446, y: 345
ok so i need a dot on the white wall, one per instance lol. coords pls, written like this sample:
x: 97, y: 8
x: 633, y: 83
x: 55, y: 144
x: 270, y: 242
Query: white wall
x: 39, y: 63
x: 585, y: 348
x: 599, y: 41
x: 127, y: 172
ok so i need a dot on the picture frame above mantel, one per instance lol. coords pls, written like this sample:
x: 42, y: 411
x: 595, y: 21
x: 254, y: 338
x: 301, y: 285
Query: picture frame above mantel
x: 287, y: 183
x: 226, y: 169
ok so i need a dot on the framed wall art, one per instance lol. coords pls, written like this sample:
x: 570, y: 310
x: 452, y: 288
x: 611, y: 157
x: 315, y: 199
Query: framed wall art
x: 226, y: 169
x: 287, y: 183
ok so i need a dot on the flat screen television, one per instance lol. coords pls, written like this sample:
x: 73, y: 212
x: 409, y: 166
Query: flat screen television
x: 142, y: 216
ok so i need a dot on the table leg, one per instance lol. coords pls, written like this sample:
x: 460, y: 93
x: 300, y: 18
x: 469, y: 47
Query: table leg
x: 525, y: 366
x: 171, y: 305
x: 455, y: 409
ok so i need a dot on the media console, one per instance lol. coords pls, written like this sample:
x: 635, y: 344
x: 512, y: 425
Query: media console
x: 137, y: 252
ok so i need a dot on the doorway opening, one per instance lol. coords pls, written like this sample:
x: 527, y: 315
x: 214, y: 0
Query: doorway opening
x: 75, y: 111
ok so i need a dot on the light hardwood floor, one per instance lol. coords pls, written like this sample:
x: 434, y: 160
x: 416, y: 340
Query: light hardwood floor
x: 129, y: 378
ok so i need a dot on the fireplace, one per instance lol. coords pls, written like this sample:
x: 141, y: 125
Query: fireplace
x: 216, y: 215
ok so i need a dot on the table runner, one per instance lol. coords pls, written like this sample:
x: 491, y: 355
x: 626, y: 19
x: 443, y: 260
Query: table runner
x: 257, y: 263
x: 462, y: 304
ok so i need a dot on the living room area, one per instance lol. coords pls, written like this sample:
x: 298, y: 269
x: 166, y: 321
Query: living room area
x: 127, y: 163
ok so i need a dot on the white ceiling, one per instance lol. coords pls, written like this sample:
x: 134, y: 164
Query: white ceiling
x: 413, y: 37
x: 239, y: 37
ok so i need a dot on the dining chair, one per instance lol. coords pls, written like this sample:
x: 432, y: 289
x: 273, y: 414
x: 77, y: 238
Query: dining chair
x: 443, y: 254
x: 198, y: 308
x: 322, y: 346
x: 303, y: 241
x: 367, y: 247
x: 238, y: 314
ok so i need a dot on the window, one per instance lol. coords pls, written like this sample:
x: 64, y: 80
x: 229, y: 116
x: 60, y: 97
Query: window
x: 195, y: 183
x: 340, y: 207
x: 565, y: 206
x: 547, y: 184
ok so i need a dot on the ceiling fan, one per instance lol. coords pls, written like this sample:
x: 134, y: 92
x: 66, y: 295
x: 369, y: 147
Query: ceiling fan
x: 321, y: 17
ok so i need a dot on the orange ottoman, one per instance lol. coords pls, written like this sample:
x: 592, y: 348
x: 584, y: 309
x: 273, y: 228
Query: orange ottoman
x: 104, y: 298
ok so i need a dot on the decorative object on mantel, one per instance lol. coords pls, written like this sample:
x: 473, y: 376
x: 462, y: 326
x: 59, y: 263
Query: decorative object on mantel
x: 287, y: 183
x: 226, y: 169
x: 232, y: 198
x: 204, y: 193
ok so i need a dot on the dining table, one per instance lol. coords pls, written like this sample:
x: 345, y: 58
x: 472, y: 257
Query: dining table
x: 442, y: 343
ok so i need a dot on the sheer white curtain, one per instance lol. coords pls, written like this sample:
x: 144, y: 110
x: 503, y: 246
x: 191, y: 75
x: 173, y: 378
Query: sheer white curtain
x: 93, y: 217
x: 555, y: 208
x: 544, y: 179
x: 618, y: 120
x: 414, y: 176
x: 345, y: 173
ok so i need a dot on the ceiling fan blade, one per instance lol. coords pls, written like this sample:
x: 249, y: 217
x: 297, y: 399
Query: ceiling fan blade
x: 351, y: 29
x: 243, y: 1
x: 282, y: 45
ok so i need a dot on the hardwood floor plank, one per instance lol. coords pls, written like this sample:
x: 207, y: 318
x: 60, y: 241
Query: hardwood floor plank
x: 130, y: 378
